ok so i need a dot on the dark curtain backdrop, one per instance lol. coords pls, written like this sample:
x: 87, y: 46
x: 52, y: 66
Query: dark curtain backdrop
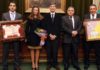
x: 81, y: 6
x: 4, y: 6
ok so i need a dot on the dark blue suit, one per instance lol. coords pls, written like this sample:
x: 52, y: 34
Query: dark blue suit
x: 7, y: 45
x: 70, y: 44
x: 52, y: 27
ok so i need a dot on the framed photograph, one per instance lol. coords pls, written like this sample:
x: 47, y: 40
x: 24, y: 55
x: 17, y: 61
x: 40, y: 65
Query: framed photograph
x: 44, y: 5
x: 92, y: 28
x: 12, y: 30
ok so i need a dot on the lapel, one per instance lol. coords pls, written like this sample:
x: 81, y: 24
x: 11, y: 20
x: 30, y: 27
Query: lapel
x: 55, y: 17
x: 89, y: 16
x: 51, y: 18
x: 8, y: 16
x: 69, y: 21
x: 75, y: 21
x: 16, y: 16
x: 97, y: 16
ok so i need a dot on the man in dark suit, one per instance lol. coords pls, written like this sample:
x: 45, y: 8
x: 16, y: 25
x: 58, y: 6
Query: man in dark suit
x: 87, y: 46
x: 52, y: 24
x: 11, y: 15
x: 71, y: 25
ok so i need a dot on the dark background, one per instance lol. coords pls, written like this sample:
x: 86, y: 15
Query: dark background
x: 81, y: 6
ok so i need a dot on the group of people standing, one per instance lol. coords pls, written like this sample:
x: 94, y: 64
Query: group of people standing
x: 70, y: 25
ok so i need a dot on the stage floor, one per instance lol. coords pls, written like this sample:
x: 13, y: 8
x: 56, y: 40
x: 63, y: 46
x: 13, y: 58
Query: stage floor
x: 27, y: 66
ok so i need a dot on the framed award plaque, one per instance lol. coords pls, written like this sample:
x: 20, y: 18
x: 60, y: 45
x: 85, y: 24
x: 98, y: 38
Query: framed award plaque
x: 92, y: 28
x: 12, y: 30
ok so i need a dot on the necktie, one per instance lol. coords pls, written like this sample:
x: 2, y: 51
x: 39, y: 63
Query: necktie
x: 70, y: 17
x: 92, y: 16
x: 52, y: 17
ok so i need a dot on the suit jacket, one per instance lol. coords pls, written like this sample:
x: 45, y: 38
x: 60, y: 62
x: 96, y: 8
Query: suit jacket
x: 68, y: 28
x: 53, y: 27
x: 6, y: 16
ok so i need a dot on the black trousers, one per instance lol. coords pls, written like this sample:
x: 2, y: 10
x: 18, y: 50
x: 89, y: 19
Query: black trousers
x: 70, y: 50
x: 6, y: 47
x: 87, y: 46
x: 52, y: 52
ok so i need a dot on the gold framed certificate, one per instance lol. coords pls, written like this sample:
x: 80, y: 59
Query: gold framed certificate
x: 92, y: 28
x: 12, y: 30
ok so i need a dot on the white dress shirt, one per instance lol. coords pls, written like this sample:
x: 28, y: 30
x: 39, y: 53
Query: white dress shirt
x: 12, y: 15
x: 93, y: 17
x: 52, y: 15
x: 73, y: 21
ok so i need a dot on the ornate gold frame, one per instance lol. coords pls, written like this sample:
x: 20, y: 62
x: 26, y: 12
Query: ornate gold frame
x: 46, y: 10
x: 12, y: 23
x: 93, y: 24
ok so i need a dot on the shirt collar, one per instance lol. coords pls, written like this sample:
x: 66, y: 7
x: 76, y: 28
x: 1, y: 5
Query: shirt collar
x: 12, y: 12
x: 95, y: 16
x: 71, y: 16
x: 52, y: 13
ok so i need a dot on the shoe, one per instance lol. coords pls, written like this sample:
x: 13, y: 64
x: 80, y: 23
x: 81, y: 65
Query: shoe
x: 33, y: 68
x: 65, y: 68
x: 57, y: 68
x: 48, y: 67
x: 85, y: 68
x: 37, y: 68
x: 5, y: 69
x: 18, y: 68
x: 78, y: 68
x: 98, y: 67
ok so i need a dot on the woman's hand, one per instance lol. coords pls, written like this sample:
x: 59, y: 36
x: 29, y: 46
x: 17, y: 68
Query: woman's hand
x: 52, y: 37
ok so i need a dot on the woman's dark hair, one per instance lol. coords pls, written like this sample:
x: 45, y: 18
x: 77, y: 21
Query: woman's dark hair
x: 39, y: 16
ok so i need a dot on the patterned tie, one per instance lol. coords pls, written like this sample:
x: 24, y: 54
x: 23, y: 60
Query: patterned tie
x: 92, y: 16
x: 52, y: 17
x: 70, y: 17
